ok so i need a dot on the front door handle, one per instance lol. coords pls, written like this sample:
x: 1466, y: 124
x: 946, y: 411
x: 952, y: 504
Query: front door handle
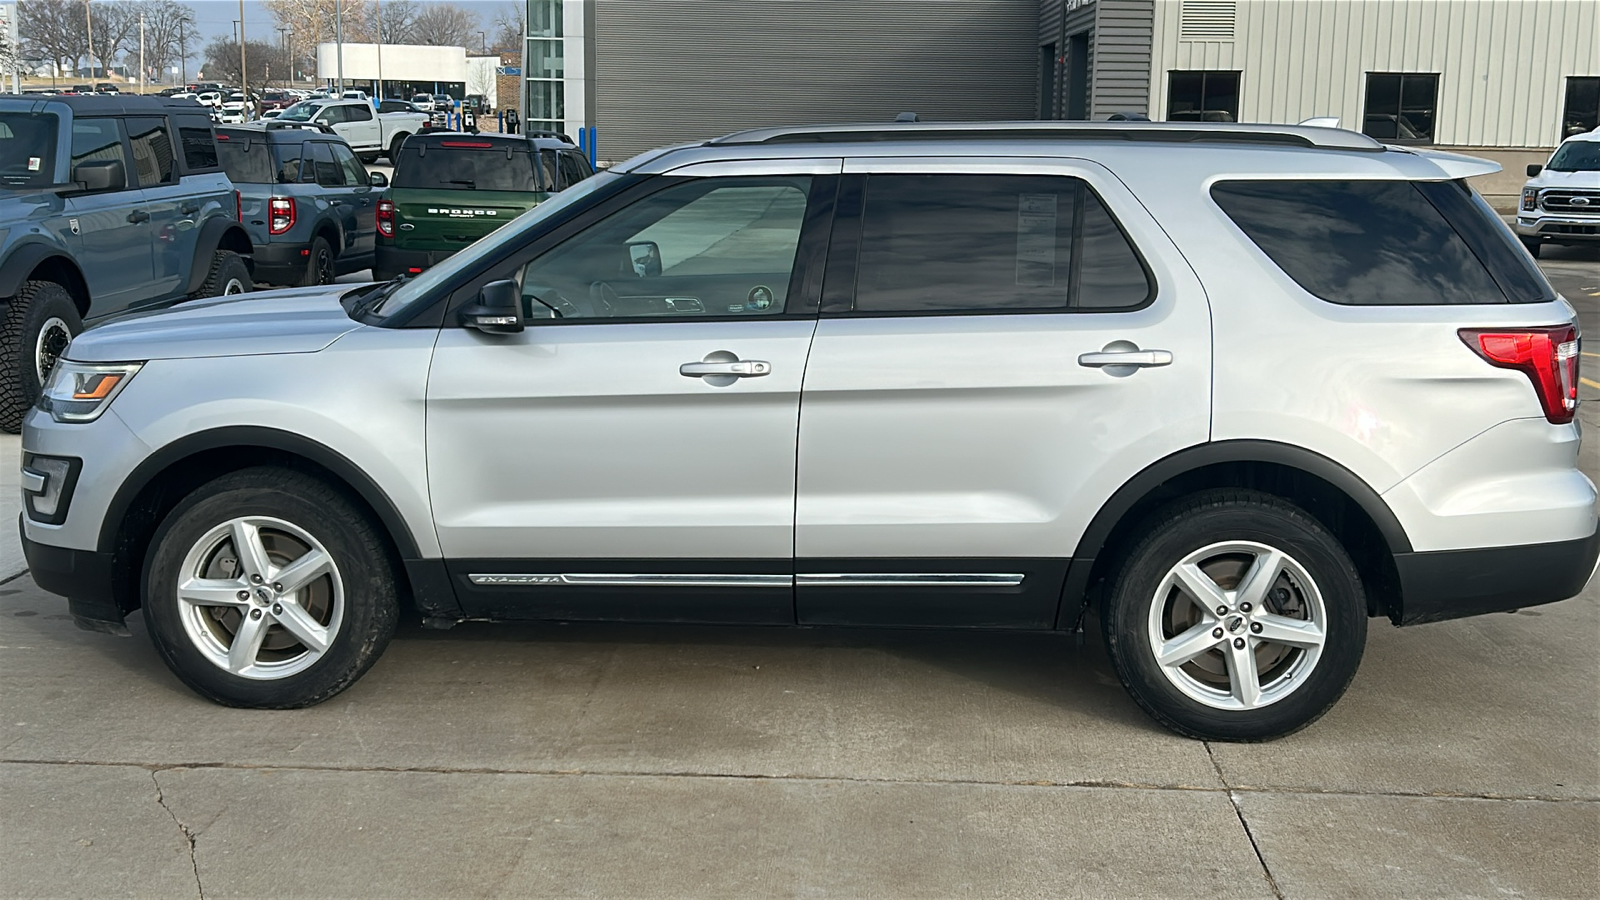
x: 188, y: 209
x: 744, y: 368
x: 1142, y: 359
x: 138, y: 216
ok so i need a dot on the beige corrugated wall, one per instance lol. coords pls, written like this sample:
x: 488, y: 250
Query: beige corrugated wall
x: 1502, y: 64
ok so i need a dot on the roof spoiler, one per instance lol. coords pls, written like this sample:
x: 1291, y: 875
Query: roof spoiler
x: 1455, y: 165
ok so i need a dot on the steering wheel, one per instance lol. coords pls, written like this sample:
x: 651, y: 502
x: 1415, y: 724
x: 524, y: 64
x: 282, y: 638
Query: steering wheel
x: 603, y: 298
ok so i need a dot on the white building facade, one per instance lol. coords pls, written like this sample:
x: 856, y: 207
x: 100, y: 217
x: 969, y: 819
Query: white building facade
x: 404, y: 70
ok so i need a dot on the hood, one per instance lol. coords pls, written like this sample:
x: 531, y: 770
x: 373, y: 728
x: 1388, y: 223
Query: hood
x: 1548, y: 179
x: 298, y: 320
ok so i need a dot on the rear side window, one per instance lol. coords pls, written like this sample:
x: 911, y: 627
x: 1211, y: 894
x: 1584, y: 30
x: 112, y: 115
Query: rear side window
x: 471, y: 166
x: 199, y: 150
x: 992, y: 243
x: 245, y: 161
x: 1383, y: 243
x: 153, y: 155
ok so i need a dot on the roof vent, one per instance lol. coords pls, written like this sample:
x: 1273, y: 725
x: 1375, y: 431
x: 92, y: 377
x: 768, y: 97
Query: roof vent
x: 1207, y: 20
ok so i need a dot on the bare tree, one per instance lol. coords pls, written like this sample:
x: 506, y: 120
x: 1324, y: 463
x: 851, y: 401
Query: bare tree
x: 266, y: 60
x: 168, y: 26
x: 445, y: 25
x: 399, y: 17
x: 116, y: 30
x: 510, y: 26
x: 53, y: 30
x: 312, y: 23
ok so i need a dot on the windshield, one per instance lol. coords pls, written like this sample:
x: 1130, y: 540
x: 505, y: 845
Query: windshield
x: 300, y: 112
x: 515, y: 231
x: 27, y: 149
x: 466, y: 165
x: 1576, y: 156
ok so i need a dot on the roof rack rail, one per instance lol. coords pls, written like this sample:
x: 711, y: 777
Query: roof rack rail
x: 1153, y: 132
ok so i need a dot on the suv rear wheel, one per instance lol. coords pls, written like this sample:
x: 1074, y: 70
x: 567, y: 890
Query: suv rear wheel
x: 1237, y: 618
x: 228, y: 275
x: 38, y: 323
x: 268, y: 588
x: 319, y: 264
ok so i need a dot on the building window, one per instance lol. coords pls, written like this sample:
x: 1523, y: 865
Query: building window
x: 1401, y: 107
x: 1202, y: 96
x: 1582, y: 112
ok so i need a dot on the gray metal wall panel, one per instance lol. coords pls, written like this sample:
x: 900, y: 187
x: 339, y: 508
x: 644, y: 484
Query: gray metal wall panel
x: 670, y: 71
x: 1124, y: 31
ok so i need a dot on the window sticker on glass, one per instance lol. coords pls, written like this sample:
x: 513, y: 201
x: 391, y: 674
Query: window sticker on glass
x: 1036, y: 240
x: 33, y: 163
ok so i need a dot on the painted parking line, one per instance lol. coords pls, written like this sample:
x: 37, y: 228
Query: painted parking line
x: 1593, y: 384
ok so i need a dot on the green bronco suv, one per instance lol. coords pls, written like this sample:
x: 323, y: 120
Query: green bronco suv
x: 107, y: 204
x: 451, y: 189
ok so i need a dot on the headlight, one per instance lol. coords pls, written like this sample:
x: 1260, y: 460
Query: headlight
x: 80, y: 392
x: 1530, y: 199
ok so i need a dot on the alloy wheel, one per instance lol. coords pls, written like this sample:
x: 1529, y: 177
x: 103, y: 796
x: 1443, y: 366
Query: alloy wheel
x: 260, y: 597
x: 54, y: 336
x: 1237, y: 625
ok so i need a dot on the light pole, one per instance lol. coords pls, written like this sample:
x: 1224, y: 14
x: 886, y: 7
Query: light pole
x: 338, y: 39
x: 88, y: 27
x: 378, y: 12
x: 141, y: 53
x: 483, y: 40
x: 283, y: 45
x: 183, y: 58
x: 244, y: 73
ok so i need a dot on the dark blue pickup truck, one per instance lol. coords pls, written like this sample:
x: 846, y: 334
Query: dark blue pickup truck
x: 107, y: 204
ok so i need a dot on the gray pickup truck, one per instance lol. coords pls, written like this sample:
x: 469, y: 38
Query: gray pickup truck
x: 107, y: 205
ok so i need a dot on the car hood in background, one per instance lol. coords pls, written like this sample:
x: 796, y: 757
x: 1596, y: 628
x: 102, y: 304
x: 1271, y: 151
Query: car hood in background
x: 300, y: 320
x: 1549, y: 179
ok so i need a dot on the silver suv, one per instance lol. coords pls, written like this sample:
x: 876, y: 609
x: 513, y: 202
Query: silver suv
x: 1238, y: 388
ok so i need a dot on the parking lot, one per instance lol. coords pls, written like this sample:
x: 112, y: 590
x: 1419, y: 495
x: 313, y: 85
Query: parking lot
x: 575, y: 760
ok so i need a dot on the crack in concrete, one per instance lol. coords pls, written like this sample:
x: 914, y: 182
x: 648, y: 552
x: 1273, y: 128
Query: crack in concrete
x: 188, y: 835
x: 1238, y: 810
x: 835, y: 779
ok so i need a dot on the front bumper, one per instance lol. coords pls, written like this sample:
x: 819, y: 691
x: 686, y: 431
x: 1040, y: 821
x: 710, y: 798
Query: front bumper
x: 1558, y: 228
x: 1451, y: 584
x: 82, y: 576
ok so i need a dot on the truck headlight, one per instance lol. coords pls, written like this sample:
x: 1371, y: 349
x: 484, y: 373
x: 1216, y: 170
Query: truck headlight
x: 80, y: 392
x: 1530, y: 199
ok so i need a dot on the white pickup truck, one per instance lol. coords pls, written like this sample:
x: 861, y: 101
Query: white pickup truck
x: 368, y: 133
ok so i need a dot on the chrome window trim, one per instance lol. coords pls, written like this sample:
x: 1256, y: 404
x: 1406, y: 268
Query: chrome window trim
x: 629, y: 579
x: 910, y: 579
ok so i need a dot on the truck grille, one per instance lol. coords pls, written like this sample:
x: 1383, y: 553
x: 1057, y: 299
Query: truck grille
x: 1571, y: 201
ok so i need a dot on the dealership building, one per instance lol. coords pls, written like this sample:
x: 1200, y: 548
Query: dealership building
x: 1504, y: 79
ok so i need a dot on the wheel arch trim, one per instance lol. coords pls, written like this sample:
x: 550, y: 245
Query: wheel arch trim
x: 249, y: 437
x: 1126, y: 497
x: 212, y: 235
x: 27, y: 258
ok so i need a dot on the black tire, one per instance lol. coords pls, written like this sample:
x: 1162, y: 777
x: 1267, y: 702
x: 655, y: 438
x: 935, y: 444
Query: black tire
x: 1299, y: 684
x: 394, y: 148
x: 319, y: 264
x: 363, y: 577
x: 1534, y: 245
x: 368, y: 158
x: 228, y: 272
x: 31, y: 338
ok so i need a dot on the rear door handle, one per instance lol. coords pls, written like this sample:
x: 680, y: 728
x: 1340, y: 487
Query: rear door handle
x: 744, y: 368
x: 1143, y: 359
x: 138, y: 216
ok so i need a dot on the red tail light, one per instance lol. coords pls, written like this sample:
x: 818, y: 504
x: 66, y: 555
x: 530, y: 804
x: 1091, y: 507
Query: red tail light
x: 474, y: 145
x: 280, y: 214
x: 386, y: 218
x: 1548, y: 356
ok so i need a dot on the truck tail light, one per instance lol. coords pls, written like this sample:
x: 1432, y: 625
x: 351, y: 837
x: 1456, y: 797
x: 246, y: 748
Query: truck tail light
x: 386, y: 218
x: 280, y: 214
x: 1548, y: 356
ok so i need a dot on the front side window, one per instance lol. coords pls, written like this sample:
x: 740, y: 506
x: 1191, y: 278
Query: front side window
x: 97, y: 142
x: 355, y: 174
x: 1401, y: 107
x: 27, y: 149
x: 1202, y: 96
x: 707, y: 247
x: 1581, y: 113
x: 153, y: 156
x: 992, y: 243
x: 1383, y: 243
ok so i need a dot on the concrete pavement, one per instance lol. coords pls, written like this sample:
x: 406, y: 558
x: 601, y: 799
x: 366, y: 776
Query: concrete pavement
x: 592, y: 761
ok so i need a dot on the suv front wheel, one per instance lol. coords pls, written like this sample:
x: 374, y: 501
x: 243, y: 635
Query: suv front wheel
x: 39, y: 322
x: 268, y: 588
x: 1238, y: 617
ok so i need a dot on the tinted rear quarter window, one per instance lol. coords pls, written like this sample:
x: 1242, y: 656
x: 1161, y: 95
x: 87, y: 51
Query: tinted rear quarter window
x: 199, y: 150
x: 1383, y: 243
x: 444, y: 168
x: 992, y: 243
x: 246, y: 162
